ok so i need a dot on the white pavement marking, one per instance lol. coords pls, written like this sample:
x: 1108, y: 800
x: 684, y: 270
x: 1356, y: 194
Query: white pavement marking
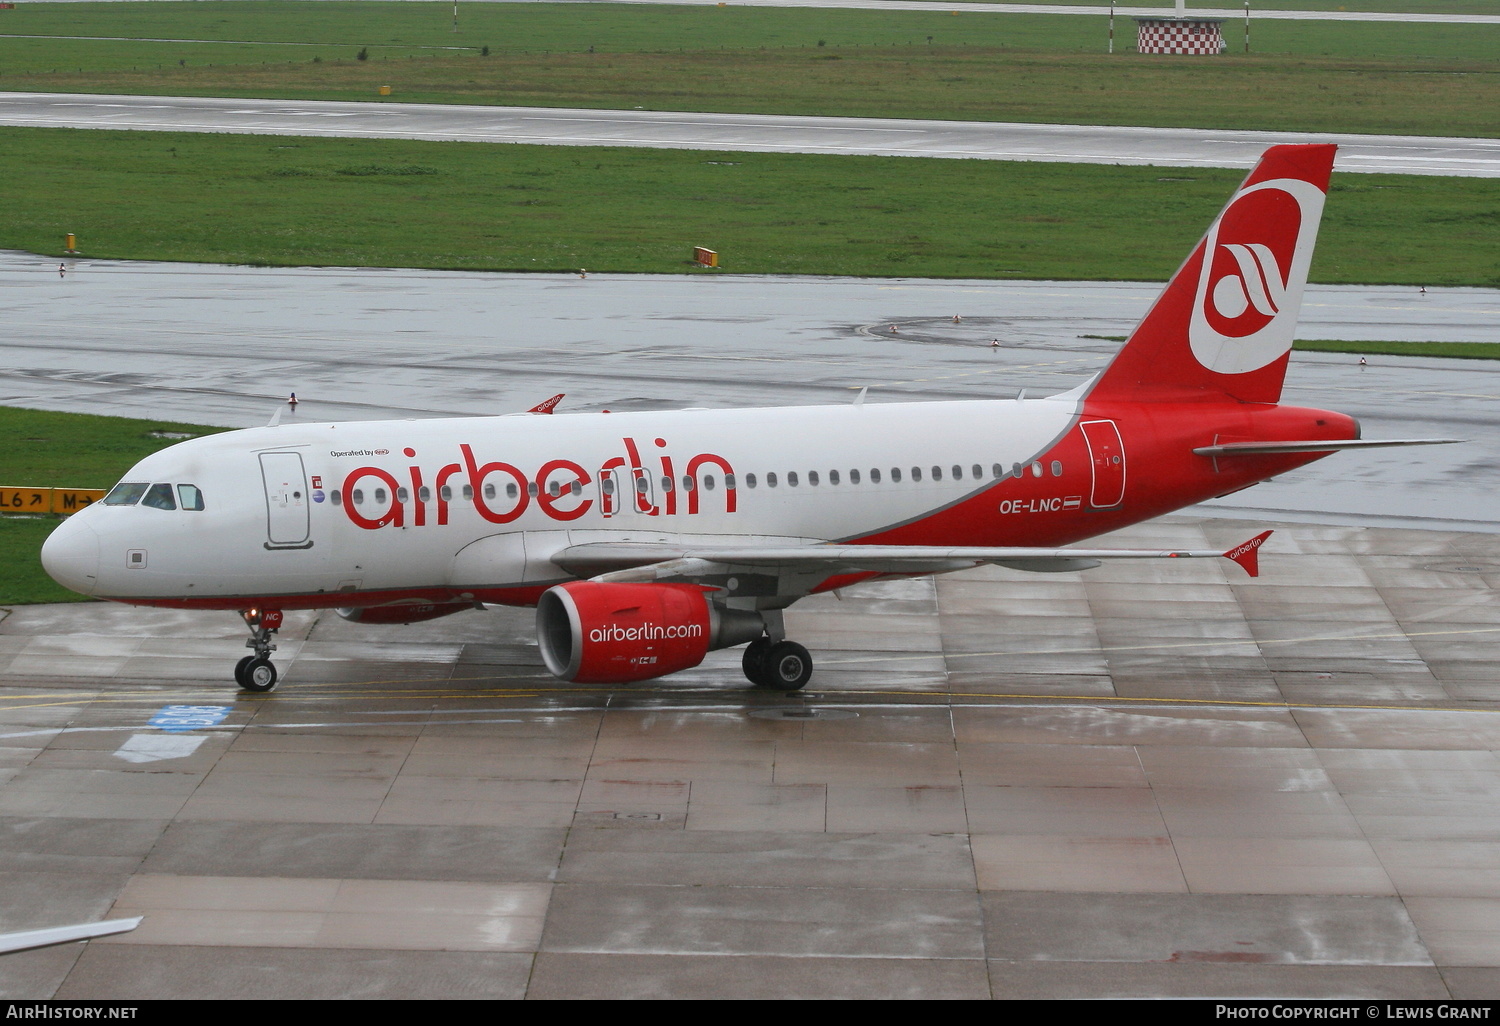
x: 158, y: 747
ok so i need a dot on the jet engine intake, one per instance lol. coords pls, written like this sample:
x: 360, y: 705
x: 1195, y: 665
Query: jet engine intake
x: 595, y: 633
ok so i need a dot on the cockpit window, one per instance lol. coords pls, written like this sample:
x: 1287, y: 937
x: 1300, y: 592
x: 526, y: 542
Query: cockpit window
x: 189, y: 497
x: 125, y: 494
x: 159, y: 496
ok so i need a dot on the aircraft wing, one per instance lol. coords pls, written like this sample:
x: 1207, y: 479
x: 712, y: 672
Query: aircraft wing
x: 621, y: 562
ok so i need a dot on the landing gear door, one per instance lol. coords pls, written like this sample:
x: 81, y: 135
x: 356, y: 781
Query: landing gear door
x: 287, y: 525
x: 1107, y: 460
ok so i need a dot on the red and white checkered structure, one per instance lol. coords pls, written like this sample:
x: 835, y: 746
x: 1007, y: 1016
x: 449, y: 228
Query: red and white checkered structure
x: 1179, y: 35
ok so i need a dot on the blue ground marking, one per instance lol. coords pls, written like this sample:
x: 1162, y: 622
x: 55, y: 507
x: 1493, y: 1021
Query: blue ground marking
x: 188, y: 717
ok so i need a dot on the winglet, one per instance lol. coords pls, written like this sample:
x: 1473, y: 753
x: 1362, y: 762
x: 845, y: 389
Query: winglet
x: 1247, y: 553
x: 549, y: 405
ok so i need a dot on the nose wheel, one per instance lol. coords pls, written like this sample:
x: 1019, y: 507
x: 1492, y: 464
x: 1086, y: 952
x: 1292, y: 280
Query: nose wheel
x: 253, y: 673
x: 256, y: 673
x: 777, y: 665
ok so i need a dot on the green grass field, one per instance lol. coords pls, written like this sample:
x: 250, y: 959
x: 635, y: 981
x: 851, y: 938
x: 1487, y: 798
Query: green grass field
x: 1446, y: 350
x: 308, y: 201
x: 1303, y: 76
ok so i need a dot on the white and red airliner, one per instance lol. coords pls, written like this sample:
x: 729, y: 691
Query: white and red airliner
x: 644, y: 540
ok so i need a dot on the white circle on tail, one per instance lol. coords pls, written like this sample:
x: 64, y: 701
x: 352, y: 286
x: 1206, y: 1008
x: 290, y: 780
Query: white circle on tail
x: 1254, y: 265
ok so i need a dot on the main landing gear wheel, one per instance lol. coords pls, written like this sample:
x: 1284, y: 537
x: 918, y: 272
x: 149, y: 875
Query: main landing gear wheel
x: 255, y: 674
x: 754, y: 661
x: 782, y: 666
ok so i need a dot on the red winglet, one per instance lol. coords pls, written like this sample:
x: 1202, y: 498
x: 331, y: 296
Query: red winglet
x: 549, y: 405
x: 1246, y: 554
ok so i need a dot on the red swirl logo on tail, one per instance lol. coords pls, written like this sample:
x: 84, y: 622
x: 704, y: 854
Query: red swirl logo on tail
x: 1258, y: 283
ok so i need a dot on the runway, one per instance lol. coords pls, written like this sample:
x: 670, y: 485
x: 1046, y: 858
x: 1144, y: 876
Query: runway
x: 959, y: 140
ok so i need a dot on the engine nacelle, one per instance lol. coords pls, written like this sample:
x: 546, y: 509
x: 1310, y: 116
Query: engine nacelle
x: 593, y: 633
x: 403, y: 612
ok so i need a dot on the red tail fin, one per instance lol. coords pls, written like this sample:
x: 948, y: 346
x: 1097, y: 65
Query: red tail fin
x: 1225, y: 322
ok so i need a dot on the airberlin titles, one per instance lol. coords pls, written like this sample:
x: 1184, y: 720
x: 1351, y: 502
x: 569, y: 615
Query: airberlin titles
x: 501, y: 492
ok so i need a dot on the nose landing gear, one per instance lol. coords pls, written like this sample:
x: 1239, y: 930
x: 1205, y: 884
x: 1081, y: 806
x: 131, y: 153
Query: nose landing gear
x: 256, y: 672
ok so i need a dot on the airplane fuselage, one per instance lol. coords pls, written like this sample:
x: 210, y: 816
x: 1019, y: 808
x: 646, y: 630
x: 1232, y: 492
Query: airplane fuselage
x: 358, y: 514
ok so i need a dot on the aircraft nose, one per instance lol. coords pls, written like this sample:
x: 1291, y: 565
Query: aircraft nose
x: 70, y: 555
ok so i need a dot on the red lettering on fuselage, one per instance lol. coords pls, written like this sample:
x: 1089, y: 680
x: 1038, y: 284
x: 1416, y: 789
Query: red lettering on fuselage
x: 558, y: 487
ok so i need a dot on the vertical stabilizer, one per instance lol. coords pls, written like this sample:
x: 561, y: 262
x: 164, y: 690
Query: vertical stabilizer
x: 1224, y: 324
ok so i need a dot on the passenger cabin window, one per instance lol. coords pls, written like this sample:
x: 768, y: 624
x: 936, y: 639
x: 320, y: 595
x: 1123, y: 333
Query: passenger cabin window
x: 874, y: 475
x: 833, y: 477
x: 896, y: 474
x: 749, y: 480
x: 812, y: 477
x: 978, y: 471
x: 791, y: 479
x: 336, y: 497
x: 770, y: 480
x: 916, y: 473
x: 124, y: 494
x: 189, y: 497
x: 159, y: 496
x: 1056, y: 469
x: 729, y: 482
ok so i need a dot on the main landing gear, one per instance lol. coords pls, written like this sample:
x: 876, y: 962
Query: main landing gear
x: 256, y: 672
x: 775, y: 663
x: 778, y: 665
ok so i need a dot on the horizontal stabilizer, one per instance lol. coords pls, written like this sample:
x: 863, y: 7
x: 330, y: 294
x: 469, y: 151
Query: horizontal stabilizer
x: 1247, y: 555
x: 26, y: 940
x: 620, y: 562
x: 1268, y: 448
